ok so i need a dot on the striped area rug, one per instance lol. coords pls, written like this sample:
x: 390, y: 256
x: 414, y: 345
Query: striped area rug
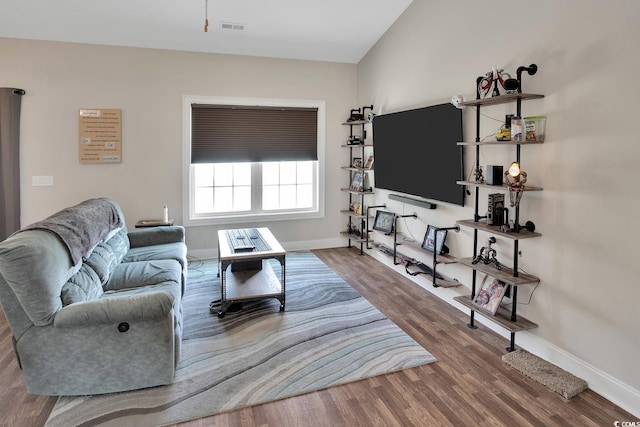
x: 328, y: 335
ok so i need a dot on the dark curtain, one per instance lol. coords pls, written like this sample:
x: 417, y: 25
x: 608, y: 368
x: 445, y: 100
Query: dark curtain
x: 10, y: 101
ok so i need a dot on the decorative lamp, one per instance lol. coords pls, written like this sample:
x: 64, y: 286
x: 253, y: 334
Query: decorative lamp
x: 515, y: 179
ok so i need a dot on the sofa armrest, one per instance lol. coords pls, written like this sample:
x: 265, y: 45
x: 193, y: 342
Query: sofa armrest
x: 148, y: 306
x: 156, y: 236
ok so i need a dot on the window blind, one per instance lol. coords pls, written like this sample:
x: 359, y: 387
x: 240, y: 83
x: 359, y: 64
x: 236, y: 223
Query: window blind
x: 237, y: 133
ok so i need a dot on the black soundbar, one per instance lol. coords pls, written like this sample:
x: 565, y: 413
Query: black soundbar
x: 412, y: 201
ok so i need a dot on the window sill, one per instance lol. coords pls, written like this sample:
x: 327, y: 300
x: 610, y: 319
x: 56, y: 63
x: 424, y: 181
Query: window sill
x: 251, y: 218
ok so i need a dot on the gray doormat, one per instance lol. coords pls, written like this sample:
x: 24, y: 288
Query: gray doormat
x: 547, y: 374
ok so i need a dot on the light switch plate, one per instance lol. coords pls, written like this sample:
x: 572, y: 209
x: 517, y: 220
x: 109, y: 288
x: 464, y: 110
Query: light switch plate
x: 41, y: 181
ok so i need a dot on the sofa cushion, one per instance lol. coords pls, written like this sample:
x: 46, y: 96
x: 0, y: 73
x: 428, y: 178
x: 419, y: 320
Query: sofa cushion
x: 176, y: 251
x: 102, y: 261
x: 144, y: 273
x: 85, y: 285
x: 119, y: 243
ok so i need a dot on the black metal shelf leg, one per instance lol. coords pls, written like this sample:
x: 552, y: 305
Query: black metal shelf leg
x: 512, y: 345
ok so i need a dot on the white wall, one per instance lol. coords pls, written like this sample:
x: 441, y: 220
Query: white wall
x: 587, y: 302
x: 148, y: 85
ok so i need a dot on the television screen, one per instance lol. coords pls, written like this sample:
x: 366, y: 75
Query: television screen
x: 416, y: 153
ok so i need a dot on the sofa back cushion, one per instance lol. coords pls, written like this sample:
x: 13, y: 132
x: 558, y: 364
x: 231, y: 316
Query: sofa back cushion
x: 106, y: 256
x: 35, y: 264
x: 85, y: 285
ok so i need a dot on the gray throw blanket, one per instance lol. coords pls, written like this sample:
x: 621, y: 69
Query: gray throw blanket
x: 82, y: 226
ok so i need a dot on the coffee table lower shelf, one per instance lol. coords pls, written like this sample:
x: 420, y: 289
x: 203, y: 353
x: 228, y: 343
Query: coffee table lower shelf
x: 249, y: 285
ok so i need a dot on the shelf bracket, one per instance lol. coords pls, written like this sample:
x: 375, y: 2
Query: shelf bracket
x: 367, y: 222
x: 455, y: 228
x: 395, y: 233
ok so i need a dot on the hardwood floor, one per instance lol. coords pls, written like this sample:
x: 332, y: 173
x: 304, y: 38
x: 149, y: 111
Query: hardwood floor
x: 469, y: 385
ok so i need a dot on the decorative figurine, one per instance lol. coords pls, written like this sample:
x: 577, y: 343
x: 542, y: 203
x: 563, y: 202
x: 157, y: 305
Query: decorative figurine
x: 489, y: 83
x: 478, y: 175
x: 488, y: 255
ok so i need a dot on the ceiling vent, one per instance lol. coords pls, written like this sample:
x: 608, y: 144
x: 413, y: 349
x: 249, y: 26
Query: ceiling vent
x: 231, y: 26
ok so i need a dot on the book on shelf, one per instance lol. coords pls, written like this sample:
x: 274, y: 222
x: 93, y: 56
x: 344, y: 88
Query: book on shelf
x: 369, y: 163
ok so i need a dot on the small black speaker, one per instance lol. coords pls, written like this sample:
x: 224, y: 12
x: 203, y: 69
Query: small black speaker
x: 494, y: 175
x: 495, y: 209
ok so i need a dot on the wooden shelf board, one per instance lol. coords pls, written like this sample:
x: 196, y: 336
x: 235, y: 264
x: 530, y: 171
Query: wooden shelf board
x: 500, y: 99
x: 354, y: 237
x: 523, y: 234
x: 505, y: 273
x: 500, y: 143
x: 500, y: 187
x: 356, y: 145
x: 445, y: 282
x: 252, y: 284
x: 348, y: 190
x: 351, y: 168
x: 428, y: 255
x: 356, y: 122
x: 502, y: 316
x: 353, y: 214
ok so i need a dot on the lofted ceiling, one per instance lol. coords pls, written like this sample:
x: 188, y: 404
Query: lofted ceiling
x: 323, y: 30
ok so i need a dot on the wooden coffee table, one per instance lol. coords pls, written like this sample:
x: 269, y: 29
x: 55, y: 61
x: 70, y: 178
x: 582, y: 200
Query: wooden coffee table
x: 250, y: 278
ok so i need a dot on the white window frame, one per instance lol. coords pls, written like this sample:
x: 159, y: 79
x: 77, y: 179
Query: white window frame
x: 188, y: 214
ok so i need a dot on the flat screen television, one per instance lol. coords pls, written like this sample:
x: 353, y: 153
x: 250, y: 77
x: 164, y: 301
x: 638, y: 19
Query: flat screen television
x: 416, y: 153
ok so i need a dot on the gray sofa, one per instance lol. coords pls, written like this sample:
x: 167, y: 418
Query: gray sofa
x: 93, y: 308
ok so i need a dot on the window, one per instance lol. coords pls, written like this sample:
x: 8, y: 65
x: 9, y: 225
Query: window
x: 220, y: 187
x: 287, y: 185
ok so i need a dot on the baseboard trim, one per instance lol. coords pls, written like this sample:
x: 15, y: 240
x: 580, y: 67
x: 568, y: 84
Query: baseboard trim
x: 600, y: 382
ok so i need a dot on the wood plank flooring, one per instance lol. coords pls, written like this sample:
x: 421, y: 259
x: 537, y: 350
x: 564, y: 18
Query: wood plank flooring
x: 469, y: 385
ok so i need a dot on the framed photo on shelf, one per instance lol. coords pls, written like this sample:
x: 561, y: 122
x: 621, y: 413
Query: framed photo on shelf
x: 429, y: 240
x: 490, y: 294
x: 356, y: 207
x: 356, y: 163
x: 369, y: 162
x: 384, y: 221
x: 358, y: 181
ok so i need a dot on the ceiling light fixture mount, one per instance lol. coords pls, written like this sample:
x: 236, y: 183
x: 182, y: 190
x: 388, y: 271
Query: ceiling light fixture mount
x: 206, y: 15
